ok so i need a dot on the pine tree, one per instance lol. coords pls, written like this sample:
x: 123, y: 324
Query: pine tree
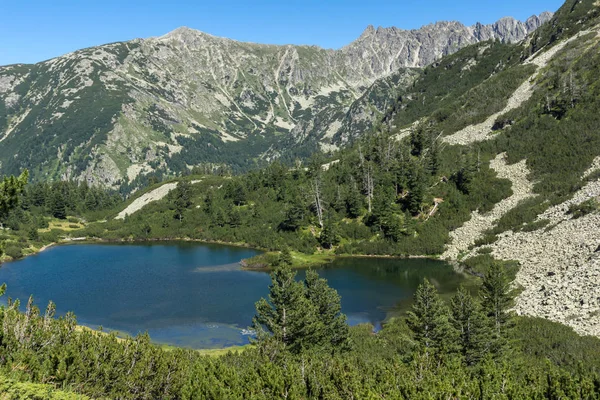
x: 182, y: 200
x: 353, y: 202
x: 300, y: 315
x: 429, y: 320
x: 332, y: 329
x: 294, y: 216
x: 496, y: 298
x: 286, y: 315
x: 58, y: 206
x: 285, y: 258
x: 474, y: 332
x: 11, y: 188
x: 329, y: 236
x: 416, y: 190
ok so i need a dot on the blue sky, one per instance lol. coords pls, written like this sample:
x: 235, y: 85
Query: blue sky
x: 36, y: 30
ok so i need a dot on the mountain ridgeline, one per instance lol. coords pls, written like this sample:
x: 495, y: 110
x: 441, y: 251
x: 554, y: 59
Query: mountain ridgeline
x: 116, y: 114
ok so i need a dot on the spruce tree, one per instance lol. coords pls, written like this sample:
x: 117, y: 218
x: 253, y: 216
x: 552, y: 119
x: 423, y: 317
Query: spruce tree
x: 58, y: 207
x: 182, y: 199
x: 474, y: 335
x: 285, y: 258
x: 416, y: 189
x: 329, y: 236
x: 11, y: 188
x: 429, y: 320
x: 332, y: 329
x: 353, y: 202
x: 287, y: 315
x: 300, y: 315
x: 496, y: 299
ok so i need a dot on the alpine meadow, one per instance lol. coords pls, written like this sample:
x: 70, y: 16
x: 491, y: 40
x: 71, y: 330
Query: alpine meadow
x: 470, y: 154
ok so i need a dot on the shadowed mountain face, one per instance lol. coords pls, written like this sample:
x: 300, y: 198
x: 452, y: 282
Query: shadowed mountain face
x: 115, y: 114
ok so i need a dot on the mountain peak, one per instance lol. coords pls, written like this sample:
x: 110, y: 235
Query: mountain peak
x: 508, y: 29
x: 369, y: 31
x: 182, y: 33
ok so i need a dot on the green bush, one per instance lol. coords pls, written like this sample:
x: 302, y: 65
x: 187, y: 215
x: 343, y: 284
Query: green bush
x: 585, y: 208
x: 13, y: 251
x: 13, y: 390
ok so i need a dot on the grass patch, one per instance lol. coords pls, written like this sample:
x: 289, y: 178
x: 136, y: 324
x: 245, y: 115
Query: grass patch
x: 299, y: 260
x: 63, y: 225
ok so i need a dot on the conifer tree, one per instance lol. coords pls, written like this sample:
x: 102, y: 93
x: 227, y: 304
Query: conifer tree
x: 417, y: 141
x: 294, y: 216
x: 429, y: 320
x: 90, y: 201
x: 11, y: 188
x: 416, y: 190
x: 58, y: 206
x: 301, y: 315
x: 332, y: 329
x: 496, y: 298
x: 182, y: 200
x: 329, y: 236
x: 353, y: 202
x: 209, y: 202
x: 285, y: 258
x: 287, y: 315
x: 474, y: 333
x: 434, y: 157
x: 38, y: 194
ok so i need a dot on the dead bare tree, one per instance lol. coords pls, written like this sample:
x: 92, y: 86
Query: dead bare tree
x: 317, y: 198
x: 368, y: 185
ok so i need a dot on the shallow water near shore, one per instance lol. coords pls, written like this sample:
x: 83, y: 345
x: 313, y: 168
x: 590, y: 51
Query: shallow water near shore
x: 196, y: 295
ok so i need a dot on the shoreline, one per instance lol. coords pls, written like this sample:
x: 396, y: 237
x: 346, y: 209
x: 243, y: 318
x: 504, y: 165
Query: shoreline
x: 324, y: 260
x: 97, y: 240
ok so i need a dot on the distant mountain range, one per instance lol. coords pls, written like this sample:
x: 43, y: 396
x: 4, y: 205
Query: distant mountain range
x: 113, y: 115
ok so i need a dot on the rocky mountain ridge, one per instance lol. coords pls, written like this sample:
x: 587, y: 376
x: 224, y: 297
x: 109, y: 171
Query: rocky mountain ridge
x: 112, y: 115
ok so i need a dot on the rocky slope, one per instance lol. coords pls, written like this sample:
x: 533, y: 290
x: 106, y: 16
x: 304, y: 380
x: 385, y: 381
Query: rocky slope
x: 113, y: 114
x: 559, y: 250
